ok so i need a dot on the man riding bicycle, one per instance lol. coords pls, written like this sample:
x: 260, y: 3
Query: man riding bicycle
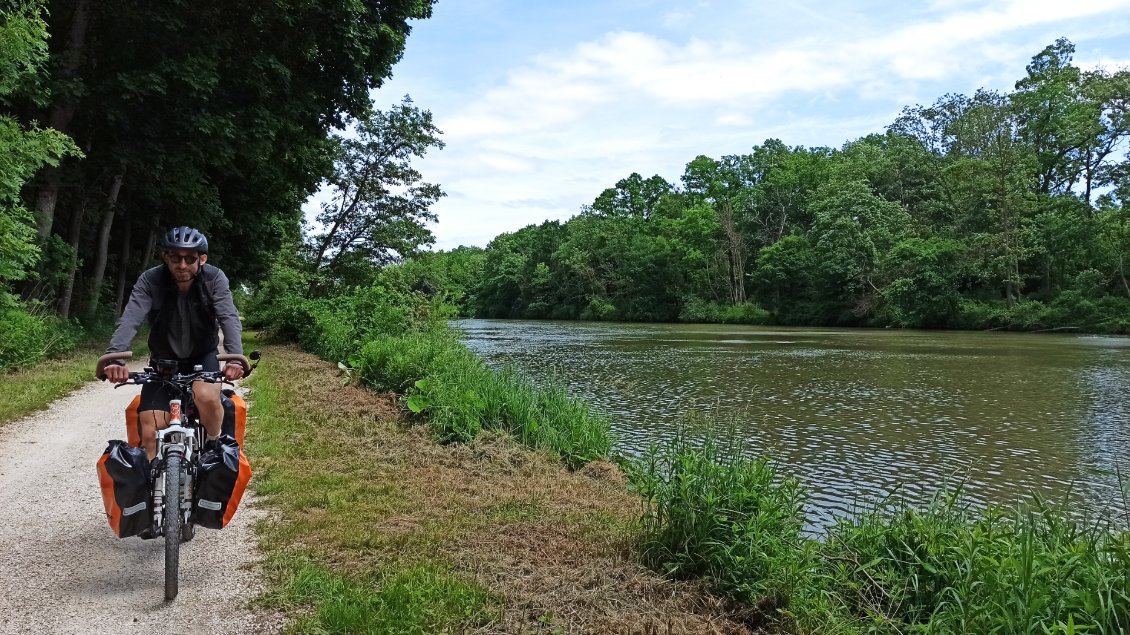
x: 186, y: 304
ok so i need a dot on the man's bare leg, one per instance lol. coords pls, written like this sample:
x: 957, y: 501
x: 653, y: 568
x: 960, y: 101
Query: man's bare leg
x: 207, y: 397
x: 148, y: 422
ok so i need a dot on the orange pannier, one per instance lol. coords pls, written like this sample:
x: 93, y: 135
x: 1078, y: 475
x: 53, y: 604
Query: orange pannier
x: 124, y: 479
x: 133, y: 435
x: 235, y: 418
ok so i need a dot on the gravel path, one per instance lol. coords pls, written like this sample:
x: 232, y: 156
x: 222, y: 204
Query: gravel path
x: 62, y: 570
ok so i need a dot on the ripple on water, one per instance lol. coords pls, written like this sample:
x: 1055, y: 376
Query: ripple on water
x: 857, y: 415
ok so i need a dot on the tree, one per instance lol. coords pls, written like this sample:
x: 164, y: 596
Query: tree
x: 632, y: 197
x: 209, y: 114
x: 852, y: 231
x: 379, y: 204
x: 23, y: 149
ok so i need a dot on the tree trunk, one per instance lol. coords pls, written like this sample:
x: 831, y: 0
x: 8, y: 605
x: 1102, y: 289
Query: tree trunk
x: 60, y: 119
x: 123, y: 261
x: 150, y: 248
x: 73, y: 237
x: 737, y: 251
x: 103, y: 245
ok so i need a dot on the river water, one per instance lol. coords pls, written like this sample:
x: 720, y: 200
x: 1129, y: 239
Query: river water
x: 857, y: 415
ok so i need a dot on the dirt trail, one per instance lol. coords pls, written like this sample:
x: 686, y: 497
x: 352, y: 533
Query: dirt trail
x: 62, y: 570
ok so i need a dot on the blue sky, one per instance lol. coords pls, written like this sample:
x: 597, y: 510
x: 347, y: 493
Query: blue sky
x: 545, y: 104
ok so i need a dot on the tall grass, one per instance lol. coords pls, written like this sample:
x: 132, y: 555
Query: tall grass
x: 460, y: 396
x: 950, y: 569
x: 716, y: 515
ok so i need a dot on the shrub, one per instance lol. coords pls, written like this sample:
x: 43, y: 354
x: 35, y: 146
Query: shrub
x: 696, y: 309
x: 716, y: 514
x: 29, y: 334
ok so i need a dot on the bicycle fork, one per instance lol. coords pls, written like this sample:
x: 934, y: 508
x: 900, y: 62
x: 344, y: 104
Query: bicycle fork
x: 174, y: 439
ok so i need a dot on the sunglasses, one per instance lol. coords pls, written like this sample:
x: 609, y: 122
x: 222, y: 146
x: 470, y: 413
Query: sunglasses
x: 188, y: 260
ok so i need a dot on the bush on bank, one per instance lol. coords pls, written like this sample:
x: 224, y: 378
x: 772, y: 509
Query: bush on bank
x: 719, y: 516
x: 394, y: 338
x: 30, y: 334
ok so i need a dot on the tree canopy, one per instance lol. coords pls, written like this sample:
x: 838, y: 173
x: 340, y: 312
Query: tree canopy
x: 996, y: 210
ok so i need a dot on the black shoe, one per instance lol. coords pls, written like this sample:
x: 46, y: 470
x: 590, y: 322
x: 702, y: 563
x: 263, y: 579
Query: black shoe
x: 187, y: 532
x: 146, y: 534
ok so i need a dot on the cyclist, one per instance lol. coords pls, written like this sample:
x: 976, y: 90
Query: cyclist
x: 186, y: 303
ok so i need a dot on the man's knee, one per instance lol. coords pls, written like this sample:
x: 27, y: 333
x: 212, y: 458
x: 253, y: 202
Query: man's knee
x: 206, y: 393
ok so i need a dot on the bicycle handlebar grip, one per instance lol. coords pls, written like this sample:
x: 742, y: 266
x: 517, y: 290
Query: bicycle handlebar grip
x: 233, y: 357
x: 100, y: 367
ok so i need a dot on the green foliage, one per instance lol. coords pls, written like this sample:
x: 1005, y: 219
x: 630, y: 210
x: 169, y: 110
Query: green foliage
x: 418, y: 600
x: 713, y: 513
x: 948, y: 570
x: 698, y: 310
x: 460, y: 397
x: 31, y: 334
x: 716, y: 515
x: 279, y: 304
x: 23, y: 148
x: 925, y: 281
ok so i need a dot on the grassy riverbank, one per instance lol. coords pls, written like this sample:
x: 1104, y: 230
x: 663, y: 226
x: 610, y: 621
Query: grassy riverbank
x: 510, y: 527
x: 380, y: 529
x: 719, y: 516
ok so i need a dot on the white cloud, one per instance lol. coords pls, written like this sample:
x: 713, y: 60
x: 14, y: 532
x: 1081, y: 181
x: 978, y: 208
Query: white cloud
x: 565, y: 124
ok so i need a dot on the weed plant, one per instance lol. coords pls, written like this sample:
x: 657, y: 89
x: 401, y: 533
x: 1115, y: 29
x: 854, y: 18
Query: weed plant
x: 714, y: 514
x: 460, y: 396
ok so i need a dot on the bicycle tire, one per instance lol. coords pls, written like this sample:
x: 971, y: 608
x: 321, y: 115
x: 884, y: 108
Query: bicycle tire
x: 174, y: 473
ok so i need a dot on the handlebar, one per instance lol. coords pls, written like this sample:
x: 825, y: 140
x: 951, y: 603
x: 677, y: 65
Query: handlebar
x: 100, y: 367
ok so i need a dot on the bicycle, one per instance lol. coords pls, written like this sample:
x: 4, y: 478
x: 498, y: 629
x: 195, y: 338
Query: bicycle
x: 173, y: 470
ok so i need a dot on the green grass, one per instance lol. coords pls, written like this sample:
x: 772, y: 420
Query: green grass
x: 26, y: 391
x: 332, y: 567
x: 460, y: 396
x: 716, y: 515
x: 422, y: 599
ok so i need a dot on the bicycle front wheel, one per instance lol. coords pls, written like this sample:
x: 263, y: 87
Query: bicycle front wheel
x: 174, y: 475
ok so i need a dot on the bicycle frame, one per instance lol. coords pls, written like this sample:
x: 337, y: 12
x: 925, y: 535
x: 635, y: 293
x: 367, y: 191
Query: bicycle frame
x: 181, y: 437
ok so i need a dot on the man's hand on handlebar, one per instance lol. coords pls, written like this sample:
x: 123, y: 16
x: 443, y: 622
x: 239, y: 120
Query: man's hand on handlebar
x: 233, y: 371
x: 116, y: 373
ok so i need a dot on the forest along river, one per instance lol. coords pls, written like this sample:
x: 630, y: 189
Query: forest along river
x: 857, y: 414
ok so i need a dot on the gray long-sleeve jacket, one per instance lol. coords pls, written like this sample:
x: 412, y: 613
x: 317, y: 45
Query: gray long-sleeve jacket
x: 147, y: 293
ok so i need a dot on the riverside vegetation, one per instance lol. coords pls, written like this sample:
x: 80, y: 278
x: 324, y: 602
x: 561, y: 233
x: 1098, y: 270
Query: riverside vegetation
x: 714, y: 515
x: 1000, y: 210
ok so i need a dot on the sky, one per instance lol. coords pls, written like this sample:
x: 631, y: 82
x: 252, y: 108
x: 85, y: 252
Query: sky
x: 545, y: 104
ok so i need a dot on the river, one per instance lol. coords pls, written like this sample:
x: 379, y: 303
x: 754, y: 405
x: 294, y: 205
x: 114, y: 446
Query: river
x: 857, y: 415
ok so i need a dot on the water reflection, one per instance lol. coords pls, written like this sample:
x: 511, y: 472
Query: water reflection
x: 856, y: 414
